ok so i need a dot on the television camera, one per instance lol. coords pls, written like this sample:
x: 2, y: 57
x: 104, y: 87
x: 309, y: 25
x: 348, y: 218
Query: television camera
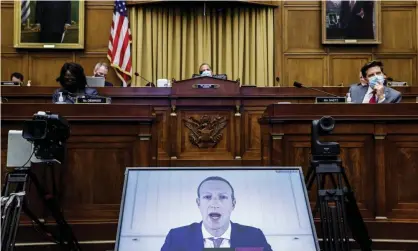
x: 48, y: 134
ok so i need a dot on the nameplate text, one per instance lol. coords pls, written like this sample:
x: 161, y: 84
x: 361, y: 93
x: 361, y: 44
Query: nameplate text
x: 330, y: 100
x: 93, y: 100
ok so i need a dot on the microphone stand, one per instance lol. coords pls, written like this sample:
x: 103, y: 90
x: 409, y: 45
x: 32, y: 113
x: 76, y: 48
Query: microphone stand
x: 299, y: 85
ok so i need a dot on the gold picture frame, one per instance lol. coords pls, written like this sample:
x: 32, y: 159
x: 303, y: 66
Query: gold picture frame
x: 49, y: 24
x: 351, y: 22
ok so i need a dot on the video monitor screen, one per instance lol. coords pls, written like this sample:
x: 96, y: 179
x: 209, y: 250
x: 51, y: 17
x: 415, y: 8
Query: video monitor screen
x: 256, y: 209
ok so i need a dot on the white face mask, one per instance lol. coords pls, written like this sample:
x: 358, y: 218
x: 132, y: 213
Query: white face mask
x: 206, y: 73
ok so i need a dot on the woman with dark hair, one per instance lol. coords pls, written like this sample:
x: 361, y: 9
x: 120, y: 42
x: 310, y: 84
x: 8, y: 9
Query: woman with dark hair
x: 73, y: 82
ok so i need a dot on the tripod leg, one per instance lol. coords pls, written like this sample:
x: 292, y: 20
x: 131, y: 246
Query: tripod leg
x: 310, y: 176
x: 12, y: 201
x: 52, y: 205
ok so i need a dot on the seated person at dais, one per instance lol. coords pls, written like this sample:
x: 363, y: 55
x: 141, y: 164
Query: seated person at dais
x: 73, y: 82
x: 372, y: 87
x: 100, y: 70
x: 16, y: 77
x: 206, y: 71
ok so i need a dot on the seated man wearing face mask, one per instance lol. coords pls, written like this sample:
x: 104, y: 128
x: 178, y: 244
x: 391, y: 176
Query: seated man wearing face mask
x: 73, y: 82
x: 206, y: 71
x: 372, y: 87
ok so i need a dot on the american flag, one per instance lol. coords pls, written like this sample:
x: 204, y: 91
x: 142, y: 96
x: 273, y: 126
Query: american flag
x: 25, y: 10
x: 119, y: 53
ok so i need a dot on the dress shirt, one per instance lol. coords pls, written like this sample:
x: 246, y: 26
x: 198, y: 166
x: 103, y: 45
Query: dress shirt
x: 226, y: 243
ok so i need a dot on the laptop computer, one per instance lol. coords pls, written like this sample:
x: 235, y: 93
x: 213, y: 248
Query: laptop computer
x: 95, y: 82
x: 162, y: 208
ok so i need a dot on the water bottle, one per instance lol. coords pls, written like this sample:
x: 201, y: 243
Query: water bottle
x: 348, y: 100
x: 60, y: 99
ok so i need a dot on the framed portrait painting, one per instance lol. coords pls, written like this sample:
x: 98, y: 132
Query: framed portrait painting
x: 49, y: 24
x: 351, y: 22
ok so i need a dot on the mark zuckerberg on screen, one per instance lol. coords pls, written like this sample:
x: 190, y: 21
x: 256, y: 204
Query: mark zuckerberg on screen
x: 216, y: 201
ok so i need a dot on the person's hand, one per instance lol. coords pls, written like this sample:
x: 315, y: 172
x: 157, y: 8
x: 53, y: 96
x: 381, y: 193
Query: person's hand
x: 361, y: 13
x: 380, y: 91
x: 66, y: 26
x: 37, y: 27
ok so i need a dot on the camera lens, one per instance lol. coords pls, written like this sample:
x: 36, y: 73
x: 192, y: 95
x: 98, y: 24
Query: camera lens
x: 327, y: 123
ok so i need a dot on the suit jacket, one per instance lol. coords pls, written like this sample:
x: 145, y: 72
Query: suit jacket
x: 356, y: 27
x: 358, y: 91
x: 70, y: 99
x: 108, y: 84
x: 190, y: 238
x: 53, y: 15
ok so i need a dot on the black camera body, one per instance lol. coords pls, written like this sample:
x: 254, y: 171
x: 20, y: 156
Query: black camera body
x: 49, y: 133
x: 321, y: 127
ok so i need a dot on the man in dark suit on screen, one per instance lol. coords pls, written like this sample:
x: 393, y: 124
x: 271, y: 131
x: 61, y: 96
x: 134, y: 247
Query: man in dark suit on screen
x: 52, y: 19
x: 216, y: 201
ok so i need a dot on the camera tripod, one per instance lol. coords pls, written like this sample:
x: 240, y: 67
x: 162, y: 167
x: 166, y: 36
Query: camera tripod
x: 13, y: 198
x: 337, y: 206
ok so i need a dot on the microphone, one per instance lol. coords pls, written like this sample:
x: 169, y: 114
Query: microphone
x: 149, y: 83
x: 300, y: 85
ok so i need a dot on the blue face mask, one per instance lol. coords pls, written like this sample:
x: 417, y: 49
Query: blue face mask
x: 374, y: 80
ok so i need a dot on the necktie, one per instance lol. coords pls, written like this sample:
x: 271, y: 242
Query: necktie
x: 216, y: 242
x: 373, y: 99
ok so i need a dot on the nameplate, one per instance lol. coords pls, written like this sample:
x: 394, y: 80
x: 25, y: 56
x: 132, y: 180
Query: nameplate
x: 330, y: 100
x: 10, y: 83
x: 93, y: 100
x: 397, y: 84
x: 205, y: 86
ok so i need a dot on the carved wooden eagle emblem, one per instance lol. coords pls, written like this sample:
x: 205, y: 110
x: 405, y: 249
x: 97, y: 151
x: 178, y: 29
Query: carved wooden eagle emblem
x: 205, y: 132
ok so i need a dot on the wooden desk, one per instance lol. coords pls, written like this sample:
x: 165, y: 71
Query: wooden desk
x: 379, y: 150
x: 240, y: 106
x: 105, y: 139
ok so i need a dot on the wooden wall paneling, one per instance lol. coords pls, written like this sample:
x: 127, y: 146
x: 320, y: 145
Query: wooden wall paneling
x: 399, y: 3
x: 301, y: 2
x: 399, y: 34
x: 44, y: 68
x: 98, y: 23
x: 89, y: 61
x: 402, y: 170
x: 302, y: 30
x: 163, y: 135
x: 355, y: 158
x: 7, y: 24
x: 344, y: 69
x: 310, y: 70
x: 251, y: 133
x: 144, y: 153
x: 400, y: 67
x: 13, y: 62
x: 85, y: 198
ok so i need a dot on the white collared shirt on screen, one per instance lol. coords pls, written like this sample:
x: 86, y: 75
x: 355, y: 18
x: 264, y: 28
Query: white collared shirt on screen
x: 226, y: 243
